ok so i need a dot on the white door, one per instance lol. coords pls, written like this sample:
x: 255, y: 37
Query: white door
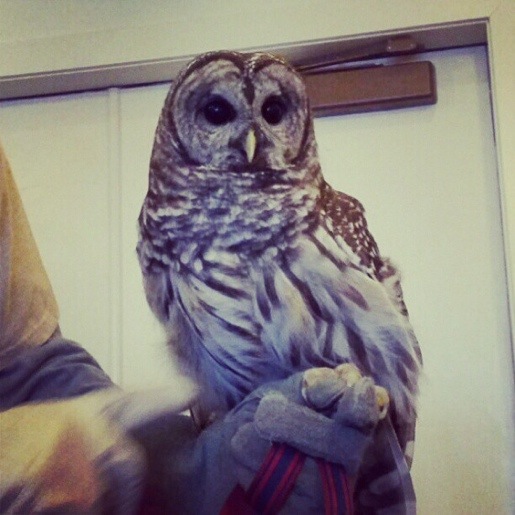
x: 428, y: 180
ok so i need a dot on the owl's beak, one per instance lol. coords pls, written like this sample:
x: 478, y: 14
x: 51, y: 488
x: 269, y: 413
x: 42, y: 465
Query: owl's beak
x: 250, y: 145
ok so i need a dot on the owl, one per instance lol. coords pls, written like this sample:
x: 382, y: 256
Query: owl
x: 254, y: 264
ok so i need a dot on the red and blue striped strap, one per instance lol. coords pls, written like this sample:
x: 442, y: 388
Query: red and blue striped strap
x: 274, y: 482
x: 337, y: 489
x: 275, y: 479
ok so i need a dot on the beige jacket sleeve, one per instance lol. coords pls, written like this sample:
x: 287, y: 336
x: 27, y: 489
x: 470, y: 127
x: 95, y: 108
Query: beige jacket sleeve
x: 28, y: 309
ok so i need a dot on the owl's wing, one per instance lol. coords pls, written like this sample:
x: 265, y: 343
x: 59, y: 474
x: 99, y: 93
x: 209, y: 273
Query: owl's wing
x: 344, y: 219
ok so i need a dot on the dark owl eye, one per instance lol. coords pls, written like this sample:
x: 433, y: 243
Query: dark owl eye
x: 218, y: 111
x: 273, y: 110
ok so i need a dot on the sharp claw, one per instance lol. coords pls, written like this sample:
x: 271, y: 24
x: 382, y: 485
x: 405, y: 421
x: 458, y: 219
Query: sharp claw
x: 383, y: 401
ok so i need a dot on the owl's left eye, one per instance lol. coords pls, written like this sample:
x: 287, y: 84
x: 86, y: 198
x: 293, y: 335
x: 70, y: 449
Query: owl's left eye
x: 273, y: 110
x: 219, y: 111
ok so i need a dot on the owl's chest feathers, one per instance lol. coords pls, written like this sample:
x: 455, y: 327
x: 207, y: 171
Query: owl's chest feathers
x: 245, y: 213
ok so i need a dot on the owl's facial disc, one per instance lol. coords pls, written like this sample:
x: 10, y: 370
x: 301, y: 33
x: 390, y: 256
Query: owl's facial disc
x: 228, y: 118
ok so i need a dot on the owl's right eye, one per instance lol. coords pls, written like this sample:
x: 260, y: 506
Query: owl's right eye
x: 218, y: 111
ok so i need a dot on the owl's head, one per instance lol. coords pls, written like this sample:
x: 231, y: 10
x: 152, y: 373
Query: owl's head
x: 239, y: 112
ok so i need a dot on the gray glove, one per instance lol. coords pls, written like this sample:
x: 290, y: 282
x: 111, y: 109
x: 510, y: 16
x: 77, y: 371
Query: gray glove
x: 196, y: 474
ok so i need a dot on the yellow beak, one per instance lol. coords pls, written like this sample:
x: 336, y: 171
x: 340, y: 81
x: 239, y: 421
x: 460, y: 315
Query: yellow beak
x: 250, y: 145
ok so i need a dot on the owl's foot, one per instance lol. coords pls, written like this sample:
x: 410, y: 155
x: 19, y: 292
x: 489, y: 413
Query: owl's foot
x: 345, y: 394
x: 351, y: 375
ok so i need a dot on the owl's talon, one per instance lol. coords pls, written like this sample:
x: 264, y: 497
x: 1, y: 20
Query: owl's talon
x: 313, y: 376
x: 349, y: 373
x: 322, y: 388
x: 383, y: 401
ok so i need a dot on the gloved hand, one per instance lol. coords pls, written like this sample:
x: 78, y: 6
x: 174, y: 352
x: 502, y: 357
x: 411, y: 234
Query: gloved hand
x: 74, y: 456
x: 326, y: 413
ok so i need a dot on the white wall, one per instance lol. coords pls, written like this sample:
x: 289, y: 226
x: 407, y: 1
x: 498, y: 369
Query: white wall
x: 46, y: 35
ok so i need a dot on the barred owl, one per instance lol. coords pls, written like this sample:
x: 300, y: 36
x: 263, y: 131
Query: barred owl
x: 256, y: 267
